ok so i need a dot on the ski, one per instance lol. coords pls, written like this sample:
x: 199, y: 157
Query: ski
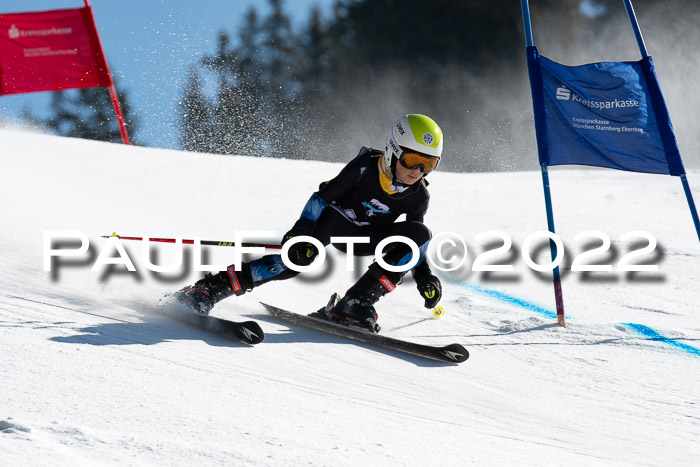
x: 453, y: 353
x: 248, y: 332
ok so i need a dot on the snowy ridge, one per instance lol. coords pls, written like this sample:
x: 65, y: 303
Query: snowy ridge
x: 92, y: 375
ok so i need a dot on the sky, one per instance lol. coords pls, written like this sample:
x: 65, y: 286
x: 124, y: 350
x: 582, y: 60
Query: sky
x: 150, y: 44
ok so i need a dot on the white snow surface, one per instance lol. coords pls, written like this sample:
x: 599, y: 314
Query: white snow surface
x: 91, y: 374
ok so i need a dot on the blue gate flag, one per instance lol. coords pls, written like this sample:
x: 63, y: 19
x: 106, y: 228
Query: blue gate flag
x: 608, y: 114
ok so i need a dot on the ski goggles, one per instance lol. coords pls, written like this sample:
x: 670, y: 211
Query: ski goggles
x: 413, y: 161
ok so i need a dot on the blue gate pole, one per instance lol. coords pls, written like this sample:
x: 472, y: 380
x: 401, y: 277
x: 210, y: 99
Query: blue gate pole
x: 527, y: 25
x: 643, y: 50
x: 691, y: 204
x: 558, y: 295
x: 635, y: 27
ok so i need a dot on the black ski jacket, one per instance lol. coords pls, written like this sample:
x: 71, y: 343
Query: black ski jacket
x: 357, y: 194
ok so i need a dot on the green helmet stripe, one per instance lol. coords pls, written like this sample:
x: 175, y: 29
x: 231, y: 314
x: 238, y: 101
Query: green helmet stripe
x: 422, y: 126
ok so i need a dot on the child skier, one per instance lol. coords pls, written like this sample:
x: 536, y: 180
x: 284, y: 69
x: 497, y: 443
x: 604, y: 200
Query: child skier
x: 363, y: 200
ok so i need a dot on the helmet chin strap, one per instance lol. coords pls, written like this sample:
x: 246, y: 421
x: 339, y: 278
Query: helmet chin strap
x: 387, y: 177
x: 395, y: 178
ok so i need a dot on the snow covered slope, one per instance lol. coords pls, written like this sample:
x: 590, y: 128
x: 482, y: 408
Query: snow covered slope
x: 90, y: 375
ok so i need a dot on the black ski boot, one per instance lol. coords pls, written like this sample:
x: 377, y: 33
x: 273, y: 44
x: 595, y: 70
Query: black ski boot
x: 206, y: 292
x: 357, y: 306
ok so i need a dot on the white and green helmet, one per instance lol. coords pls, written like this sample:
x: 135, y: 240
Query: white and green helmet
x: 413, y: 133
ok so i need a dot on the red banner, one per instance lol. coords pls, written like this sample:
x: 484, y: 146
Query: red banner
x: 50, y: 51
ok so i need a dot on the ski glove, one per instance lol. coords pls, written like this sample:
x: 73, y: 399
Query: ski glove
x: 429, y: 287
x: 302, y: 253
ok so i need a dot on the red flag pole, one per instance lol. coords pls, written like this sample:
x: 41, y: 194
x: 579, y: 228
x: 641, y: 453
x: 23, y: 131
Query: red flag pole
x: 191, y: 242
x: 112, y: 88
x: 118, y: 111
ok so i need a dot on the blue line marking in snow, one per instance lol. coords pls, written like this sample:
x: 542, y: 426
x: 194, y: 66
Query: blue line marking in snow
x: 646, y: 331
x: 655, y: 336
x: 510, y: 300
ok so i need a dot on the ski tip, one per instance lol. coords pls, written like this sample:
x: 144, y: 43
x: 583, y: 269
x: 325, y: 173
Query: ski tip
x: 251, y: 332
x: 454, y: 353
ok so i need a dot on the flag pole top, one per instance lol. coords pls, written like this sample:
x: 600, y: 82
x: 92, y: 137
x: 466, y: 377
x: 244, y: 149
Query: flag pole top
x: 527, y: 25
x: 635, y: 27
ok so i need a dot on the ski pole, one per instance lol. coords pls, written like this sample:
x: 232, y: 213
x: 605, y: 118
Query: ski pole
x: 191, y: 242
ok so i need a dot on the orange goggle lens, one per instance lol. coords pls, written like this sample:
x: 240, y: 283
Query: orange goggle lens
x: 413, y: 161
